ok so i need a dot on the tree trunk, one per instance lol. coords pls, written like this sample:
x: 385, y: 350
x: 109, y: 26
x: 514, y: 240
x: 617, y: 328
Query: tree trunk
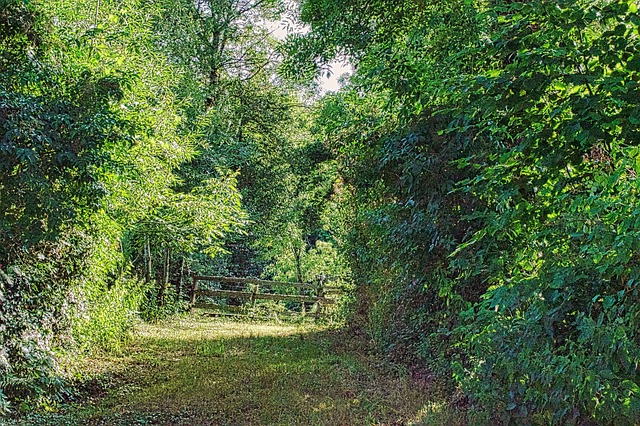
x: 165, y: 280
x: 147, y: 260
x: 297, y: 255
x: 180, y: 283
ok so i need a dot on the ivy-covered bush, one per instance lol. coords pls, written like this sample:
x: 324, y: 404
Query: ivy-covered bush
x: 32, y: 311
x: 59, y: 264
x: 37, y: 310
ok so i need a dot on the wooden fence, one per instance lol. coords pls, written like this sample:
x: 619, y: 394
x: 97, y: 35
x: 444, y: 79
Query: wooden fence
x: 253, y: 290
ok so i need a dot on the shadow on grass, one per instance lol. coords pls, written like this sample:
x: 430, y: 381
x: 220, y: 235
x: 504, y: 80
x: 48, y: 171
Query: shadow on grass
x: 220, y: 372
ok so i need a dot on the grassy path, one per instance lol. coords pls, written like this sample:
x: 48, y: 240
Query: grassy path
x: 203, y: 371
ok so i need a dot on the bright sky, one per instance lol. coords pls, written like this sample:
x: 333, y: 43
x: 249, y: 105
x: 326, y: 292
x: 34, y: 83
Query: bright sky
x: 338, y: 69
x: 327, y: 84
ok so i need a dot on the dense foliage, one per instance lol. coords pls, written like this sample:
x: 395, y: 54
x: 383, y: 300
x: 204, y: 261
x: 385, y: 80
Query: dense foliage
x: 490, y: 149
x: 141, y: 141
x: 96, y: 220
x: 476, y: 178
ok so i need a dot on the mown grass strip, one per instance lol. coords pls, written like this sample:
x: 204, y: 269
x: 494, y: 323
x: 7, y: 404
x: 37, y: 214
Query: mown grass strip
x: 213, y: 371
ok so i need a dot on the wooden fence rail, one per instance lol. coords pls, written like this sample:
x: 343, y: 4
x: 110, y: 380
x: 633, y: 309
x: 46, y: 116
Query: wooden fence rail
x: 250, y: 280
x: 254, y: 294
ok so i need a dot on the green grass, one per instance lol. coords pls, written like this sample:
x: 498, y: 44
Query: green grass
x: 204, y: 371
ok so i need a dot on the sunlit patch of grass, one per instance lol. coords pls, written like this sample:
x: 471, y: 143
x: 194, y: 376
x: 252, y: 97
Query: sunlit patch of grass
x: 438, y: 413
x: 203, y: 371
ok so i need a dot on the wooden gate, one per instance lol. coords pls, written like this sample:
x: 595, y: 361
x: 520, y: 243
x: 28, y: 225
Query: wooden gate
x: 254, y: 289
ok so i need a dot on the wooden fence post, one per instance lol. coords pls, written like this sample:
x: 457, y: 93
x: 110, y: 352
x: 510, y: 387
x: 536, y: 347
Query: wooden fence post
x: 320, y: 295
x: 194, y: 289
x: 253, y: 295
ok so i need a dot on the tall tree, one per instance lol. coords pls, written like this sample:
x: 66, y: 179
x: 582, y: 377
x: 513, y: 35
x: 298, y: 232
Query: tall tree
x: 92, y: 133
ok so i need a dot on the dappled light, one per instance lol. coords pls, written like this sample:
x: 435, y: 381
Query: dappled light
x: 207, y: 371
x: 196, y: 229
